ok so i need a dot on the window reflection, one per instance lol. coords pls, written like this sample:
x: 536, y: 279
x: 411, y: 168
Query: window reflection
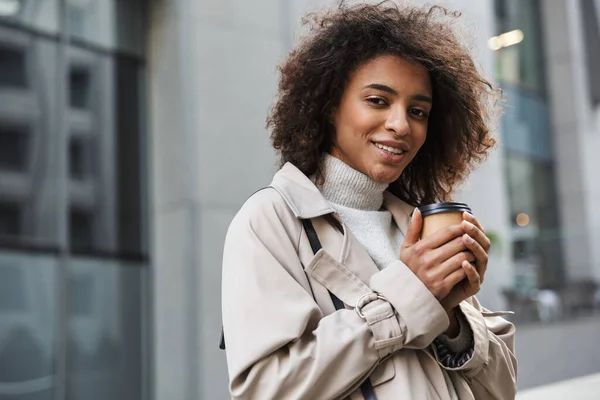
x: 105, y: 171
x: 79, y: 87
x: 84, y: 136
x: 12, y: 67
x: 591, y: 31
x: 14, y: 148
x: 110, y: 24
x: 27, y: 326
x: 81, y: 230
x: 29, y: 146
x: 10, y: 219
x: 521, y: 64
x: 40, y: 14
x: 81, y: 156
x: 529, y: 160
x: 104, y: 347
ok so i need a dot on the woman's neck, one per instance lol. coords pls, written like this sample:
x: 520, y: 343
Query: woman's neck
x: 348, y: 187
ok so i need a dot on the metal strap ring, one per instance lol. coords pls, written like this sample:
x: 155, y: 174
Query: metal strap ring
x: 358, y: 309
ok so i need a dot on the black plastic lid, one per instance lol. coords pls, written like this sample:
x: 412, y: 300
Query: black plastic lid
x: 437, y: 208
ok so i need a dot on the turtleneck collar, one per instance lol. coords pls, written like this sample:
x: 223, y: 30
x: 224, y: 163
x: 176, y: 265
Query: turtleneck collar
x: 350, y: 188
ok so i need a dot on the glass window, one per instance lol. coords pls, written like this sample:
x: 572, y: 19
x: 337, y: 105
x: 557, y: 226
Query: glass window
x: 111, y: 24
x: 10, y: 219
x: 14, y: 148
x: 81, y: 132
x: 81, y: 230
x: 520, y: 63
x: 105, y: 323
x: 526, y: 124
x: 130, y: 193
x: 29, y: 145
x: 39, y: 14
x: 81, y: 157
x: 536, y: 233
x: 12, y: 67
x: 79, y: 87
x: 527, y: 139
x: 104, y: 152
x: 591, y: 28
x: 27, y: 326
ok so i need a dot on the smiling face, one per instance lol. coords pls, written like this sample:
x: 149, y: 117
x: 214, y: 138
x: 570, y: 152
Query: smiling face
x: 381, y: 122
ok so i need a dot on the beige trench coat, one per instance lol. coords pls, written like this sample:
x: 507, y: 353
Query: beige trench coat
x: 285, y: 340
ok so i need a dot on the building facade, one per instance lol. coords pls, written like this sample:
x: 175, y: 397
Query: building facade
x: 74, y: 255
x: 132, y: 131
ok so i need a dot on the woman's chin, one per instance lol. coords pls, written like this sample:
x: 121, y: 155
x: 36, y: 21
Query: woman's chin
x: 386, y: 177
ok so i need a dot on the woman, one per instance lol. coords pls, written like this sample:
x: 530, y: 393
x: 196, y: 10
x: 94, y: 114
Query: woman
x: 380, y: 109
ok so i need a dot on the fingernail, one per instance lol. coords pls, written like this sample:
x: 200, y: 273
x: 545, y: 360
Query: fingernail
x: 468, y: 238
x: 414, y: 214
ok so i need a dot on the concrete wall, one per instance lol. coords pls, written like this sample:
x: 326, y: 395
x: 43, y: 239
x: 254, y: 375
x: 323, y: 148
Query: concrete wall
x: 212, y: 71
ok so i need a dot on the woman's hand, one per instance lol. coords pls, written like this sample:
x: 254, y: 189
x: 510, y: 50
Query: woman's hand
x: 475, y: 240
x: 438, y: 259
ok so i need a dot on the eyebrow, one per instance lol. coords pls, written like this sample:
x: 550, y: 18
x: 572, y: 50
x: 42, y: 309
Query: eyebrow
x: 385, y: 88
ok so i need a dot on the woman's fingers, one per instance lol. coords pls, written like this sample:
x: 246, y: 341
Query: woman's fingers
x: 454, y: 263
x: 471, y: 218
x: 455, y: 277
x: 443, y: 260
x: 481, y: 256
x: 477, y: 242
x: 462, y: 290
x: 445, y: 277
x: 414, y: 229
x: 476, y: 233
x: 472, y: 276
x: 446, y: 251
x: 442, y: 236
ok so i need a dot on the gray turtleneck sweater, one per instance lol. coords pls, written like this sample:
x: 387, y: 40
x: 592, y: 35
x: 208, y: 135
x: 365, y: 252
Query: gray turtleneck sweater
x: 358, y: 200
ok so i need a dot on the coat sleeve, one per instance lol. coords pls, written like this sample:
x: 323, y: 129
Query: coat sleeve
x: 491, y: 372
x: 279, y: 344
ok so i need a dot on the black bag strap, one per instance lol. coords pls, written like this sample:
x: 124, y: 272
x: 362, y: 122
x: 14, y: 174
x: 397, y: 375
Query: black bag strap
x: 366, y: 388
x: 315, y: 244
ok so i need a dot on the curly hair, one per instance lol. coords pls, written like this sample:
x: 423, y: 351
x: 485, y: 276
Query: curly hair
x: 315, y: 74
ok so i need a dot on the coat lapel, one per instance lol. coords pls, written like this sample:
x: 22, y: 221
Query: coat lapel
x: 306, y: 201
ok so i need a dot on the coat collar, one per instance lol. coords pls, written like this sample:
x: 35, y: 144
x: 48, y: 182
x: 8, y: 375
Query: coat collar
x: 306, y: 201
x: 300, y: 193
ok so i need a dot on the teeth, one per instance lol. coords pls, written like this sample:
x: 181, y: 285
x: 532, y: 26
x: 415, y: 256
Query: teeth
x: 389, y: 149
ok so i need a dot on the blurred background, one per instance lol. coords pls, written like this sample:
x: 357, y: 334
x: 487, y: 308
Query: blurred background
x: 131, y: 131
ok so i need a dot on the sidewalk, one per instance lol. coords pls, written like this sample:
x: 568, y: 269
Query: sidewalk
x: 558, y: 352
x: 585, y: 388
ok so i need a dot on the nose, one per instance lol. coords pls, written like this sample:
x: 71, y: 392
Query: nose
x: 397, y: 122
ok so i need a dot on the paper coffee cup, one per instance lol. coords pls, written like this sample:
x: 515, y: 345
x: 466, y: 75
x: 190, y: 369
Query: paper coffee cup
x: 437, y: 216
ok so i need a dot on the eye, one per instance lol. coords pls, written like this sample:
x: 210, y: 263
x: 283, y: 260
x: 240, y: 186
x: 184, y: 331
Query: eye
x: 378, y: 101
x: 417, y: 112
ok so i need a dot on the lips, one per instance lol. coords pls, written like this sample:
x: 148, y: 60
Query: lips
x: 390, y: 150
x: 392, y: 147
